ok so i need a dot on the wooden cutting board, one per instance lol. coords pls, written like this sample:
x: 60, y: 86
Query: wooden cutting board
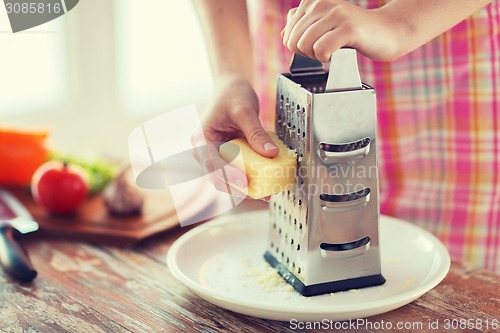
x: 92, y: 223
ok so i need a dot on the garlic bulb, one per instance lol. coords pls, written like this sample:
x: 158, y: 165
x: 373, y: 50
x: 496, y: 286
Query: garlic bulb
x: 121, y: 198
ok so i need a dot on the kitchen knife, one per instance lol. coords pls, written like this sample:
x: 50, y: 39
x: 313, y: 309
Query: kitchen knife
x: 14, y: 221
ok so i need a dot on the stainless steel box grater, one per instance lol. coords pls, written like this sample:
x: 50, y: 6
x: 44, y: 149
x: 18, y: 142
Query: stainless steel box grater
x: 324, y: 234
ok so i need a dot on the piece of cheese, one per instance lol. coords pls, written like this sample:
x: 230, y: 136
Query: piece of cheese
x: 265, y: 176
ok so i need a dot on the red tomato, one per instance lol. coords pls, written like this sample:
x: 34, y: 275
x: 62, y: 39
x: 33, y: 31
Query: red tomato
x: 59, y: 187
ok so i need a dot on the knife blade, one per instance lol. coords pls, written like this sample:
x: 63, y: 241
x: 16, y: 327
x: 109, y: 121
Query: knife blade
x: 14, y: 221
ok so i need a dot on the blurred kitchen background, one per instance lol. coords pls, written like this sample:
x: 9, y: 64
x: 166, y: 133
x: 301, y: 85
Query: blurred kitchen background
x: 102, y: 69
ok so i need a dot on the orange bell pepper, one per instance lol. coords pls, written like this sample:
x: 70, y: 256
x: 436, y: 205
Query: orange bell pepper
x: 21, y: 153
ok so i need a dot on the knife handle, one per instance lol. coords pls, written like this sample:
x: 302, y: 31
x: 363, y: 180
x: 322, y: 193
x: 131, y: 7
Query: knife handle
x: 13, y: 256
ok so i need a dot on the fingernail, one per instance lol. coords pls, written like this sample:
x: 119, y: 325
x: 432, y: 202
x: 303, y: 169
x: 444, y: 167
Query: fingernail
x: 269, y: 146
x: 266, y: 199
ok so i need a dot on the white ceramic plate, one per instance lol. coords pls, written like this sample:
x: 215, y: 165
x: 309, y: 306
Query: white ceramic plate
x: 222, y: 262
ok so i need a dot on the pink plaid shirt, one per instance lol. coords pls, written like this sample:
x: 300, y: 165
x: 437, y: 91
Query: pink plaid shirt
x: 439, y: 126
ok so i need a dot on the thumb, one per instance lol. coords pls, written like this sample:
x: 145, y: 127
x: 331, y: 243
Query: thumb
x: 257, y: 137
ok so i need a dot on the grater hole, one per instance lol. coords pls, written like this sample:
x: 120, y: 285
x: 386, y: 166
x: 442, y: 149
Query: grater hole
x: 272, y: 244
x: 277, y: 249
x: 282, y: 254
x: 300, y: 226
x: 298, y: 247
x: 279, y: 231
x: 293, y: 264
x: 274, y: 225
x: 303, y: 134
x: 291, y: 242
x: 298, y: 107
x: 299, y: 270
x: 287, y: 260
x: 294, y: 223
x: 300, y: 202
x: 300, y: 157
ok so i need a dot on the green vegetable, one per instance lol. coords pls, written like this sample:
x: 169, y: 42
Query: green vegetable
x: 100, y: 171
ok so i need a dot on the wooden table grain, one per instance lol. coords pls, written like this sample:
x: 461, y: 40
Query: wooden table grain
x: 84, y: 287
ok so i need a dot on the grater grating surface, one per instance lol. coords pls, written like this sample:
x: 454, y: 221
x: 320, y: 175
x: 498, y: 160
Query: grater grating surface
x: 323, y: 233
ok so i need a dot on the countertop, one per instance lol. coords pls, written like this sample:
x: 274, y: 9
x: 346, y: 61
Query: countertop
x: 85, y: 287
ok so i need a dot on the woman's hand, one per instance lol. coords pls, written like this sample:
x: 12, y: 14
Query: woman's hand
x: 317, y: 28
x: 233, y: 113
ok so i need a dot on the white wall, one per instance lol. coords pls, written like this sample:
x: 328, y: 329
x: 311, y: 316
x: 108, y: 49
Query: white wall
x: 114, y: 65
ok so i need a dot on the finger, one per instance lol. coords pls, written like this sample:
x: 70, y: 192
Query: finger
x: 198, y: 137
x: 291, y: 12
x: 221, y: 174
x: 329, y: 43
x: 229, y: 174
x: 298, y: 30
x: 207, y: 155
x: 198, y: 142
x: 256, y: 136
x: 311, y: 35
x: 221, y: 183
x: 212, y: 163
x: 200, y: 151
x: 228, y: 178
x: 291, y: 20
x: 266, y: 199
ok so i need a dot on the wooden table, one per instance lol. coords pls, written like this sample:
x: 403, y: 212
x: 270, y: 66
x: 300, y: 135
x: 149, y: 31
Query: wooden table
x: 84, y: 287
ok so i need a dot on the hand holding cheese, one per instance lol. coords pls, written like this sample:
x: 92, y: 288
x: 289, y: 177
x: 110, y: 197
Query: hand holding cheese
x: 266, y: 176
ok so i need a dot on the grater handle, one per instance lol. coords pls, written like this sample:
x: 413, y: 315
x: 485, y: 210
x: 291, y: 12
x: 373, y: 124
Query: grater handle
x: 301, y: 64
x: 344, y: 73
